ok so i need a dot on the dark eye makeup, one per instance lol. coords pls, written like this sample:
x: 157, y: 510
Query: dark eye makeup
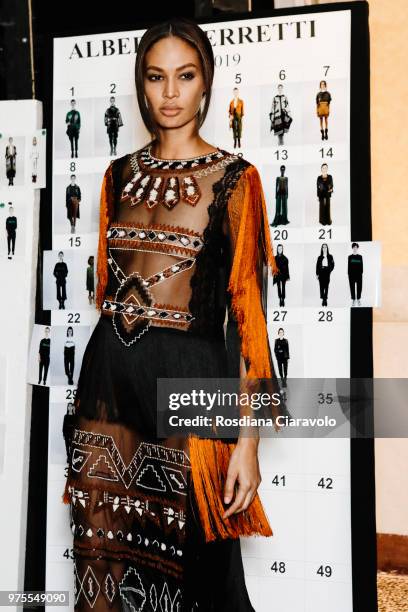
x: 186, y: 76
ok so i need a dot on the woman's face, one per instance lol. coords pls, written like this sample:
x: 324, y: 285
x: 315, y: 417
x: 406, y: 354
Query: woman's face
x: 324, y: 249
x: 280, y: 250
x: 173, y: 82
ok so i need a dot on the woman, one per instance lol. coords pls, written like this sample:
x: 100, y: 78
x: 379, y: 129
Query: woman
x: 283, y: 274
x: 72, y: 202
x: 11, y: 155
x: 156, y: 521
x: 281, y: 199
x: 235, y: 114
x: 280, y: 115
x: 281, y: 351
x: 323, y: 99
x: 113, y: 121
x: 355, y: 274
x: 90, y: 280
x: 73, y: 122
x: 324, y: 267
x: 34, y: 156
x: 11, y: 228
x: 69, y: 355
x: 324, y: 185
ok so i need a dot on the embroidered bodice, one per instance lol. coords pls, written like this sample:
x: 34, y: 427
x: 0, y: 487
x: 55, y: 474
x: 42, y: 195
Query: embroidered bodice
x: 164, y: 211
x: 182, y: 244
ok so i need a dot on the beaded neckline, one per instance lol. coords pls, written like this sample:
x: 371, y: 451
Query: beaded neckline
x: 156, y: 181
x: 149, y: 160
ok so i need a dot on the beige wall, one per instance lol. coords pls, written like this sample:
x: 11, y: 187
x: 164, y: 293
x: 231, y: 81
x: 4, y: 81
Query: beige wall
x: 389, y: 154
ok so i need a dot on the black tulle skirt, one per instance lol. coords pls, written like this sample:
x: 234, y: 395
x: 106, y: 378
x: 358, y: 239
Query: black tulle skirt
x: 138, y: 543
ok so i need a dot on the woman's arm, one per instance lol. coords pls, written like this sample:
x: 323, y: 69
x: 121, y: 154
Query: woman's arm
x: 247, y: 227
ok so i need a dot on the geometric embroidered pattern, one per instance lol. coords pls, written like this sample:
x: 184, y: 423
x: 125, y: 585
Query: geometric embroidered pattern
x: 130, y: 505
x: 163, y: 602
x: 150, y: 235
x: 131, y: 582
x: 90, y: 586
x: 133, y: 306
x: 138, y: 538
x: 147, y: 311
x: 103, y: 469
x: 162, y: 457
x: 137, y: 591
x: 165, y: 189
x: 109, y: 587
x: 79, y: 459
x: 158, y: 277
x: 149, y: 478
x: 175, y: 478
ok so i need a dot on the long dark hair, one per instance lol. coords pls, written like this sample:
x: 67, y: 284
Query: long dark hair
x: 321, y: 250
x: 191, y: 33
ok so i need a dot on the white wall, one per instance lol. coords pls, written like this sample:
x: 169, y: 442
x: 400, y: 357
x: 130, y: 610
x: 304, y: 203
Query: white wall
x: 17, y: 306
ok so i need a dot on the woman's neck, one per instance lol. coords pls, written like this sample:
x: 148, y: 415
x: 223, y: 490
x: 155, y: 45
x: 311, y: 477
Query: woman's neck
x: 181, y: 143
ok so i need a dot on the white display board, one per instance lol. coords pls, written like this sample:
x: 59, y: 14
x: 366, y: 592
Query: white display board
x: 20, y: 121
x: 306, y: 565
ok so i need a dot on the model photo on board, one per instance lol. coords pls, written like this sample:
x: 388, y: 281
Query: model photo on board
x: 113, y: 121
x: 61, y: 272
x: 44, y: 356
x: 280, y: 116
x: 281, y: 350
x: 69, y: 355
x: 324, y: 186
x: 355, y: 274
x: 235, y: 115
x: 73, y: 121
x: 72, y: 201
x: 34, y: 157
x: 11, y: 161
x: 323, y: 99
x: 281, y: 199
x: 324, y: 268
x: 90, y: 280
x: 163, y: 292
x: 281, y: 278
x: 11, y: 228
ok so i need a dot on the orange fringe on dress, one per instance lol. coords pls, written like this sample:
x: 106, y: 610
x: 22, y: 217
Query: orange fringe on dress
x: 105, y: 215
x: 209, y: 458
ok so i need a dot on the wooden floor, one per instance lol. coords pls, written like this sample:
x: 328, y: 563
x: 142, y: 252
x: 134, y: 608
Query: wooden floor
x: 392, y: 589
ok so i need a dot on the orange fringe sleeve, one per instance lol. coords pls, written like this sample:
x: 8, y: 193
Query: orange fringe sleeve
x: 210, y: 457
x: 105, y: 214
x: 248, y: 221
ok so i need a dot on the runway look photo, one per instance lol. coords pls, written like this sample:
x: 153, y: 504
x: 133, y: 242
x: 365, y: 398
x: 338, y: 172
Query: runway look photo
x: 183, y: 240
x: 235, y: 115
x: 279, y: 115
x: 113, y: 121
x: 324, y: 268
x: 323, y: 99
x: 11, y: 155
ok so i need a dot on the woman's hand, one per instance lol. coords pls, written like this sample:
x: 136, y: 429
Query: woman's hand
x: 243, y: 469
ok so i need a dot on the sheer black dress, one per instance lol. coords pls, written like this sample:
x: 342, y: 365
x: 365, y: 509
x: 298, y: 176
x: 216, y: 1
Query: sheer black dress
x: 166, y: 245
